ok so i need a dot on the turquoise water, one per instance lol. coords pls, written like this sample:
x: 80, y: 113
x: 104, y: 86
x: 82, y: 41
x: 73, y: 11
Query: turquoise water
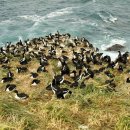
x: 102, y: 22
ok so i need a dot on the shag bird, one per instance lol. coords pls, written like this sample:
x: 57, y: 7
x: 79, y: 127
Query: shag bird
x: 128, y: 80
x: 59, y: 92
x: 65, y: 69
x: 109, y: 74
x: 35, y: 82
x: 20, y: 96
x: 10, y: 74
x: 33, y: 75
x: 23, y: 61
x: 6, y: 79
x: 10, y: 87
x: 120, y: 69
x: 59, y: 79
x: 22, y: 69
x: 41, y: 69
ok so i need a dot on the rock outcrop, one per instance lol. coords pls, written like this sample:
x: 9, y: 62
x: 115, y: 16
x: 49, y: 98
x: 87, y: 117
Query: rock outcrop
x: 115, y: 47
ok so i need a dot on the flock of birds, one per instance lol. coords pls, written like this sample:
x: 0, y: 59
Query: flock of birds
x: 78, y: 52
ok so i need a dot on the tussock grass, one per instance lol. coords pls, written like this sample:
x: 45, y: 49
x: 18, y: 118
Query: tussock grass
x: 93, y: 106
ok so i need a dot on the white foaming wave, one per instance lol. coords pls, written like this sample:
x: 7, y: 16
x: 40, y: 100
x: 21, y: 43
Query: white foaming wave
x: 108, y: 19
x: 112, y: 19
x: 81, y: 21
x: 6, y: 21
x: 105, y: 19
x: 94, y: 1
x: 93, y: 24
x: 20, y: 38
x: 37, y: 18
x: 60, y: 12
x: 113, y: 42
x: 113, y: 55
x: 34, y: 18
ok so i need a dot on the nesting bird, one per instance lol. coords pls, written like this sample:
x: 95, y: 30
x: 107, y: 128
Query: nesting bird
x: 20, y: 96
x: 22, y: 69
x: 59, y: 92
x: 33, y: 75
x: 23, y: 61
x: 41, y: 68
x: 8, y: 78
x: 128, y: 80
x: 10, y: 87
x: 35, y: 82
x: 59, y: 79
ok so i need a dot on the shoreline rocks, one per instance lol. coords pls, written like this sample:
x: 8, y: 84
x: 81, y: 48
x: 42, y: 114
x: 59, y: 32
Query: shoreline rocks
x: 115, y: 47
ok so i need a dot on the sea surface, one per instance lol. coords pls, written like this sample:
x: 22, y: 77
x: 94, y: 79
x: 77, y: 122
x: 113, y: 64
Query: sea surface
x: 102, y: 22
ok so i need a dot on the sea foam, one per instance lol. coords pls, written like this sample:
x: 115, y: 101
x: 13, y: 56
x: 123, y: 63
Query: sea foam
x: 113, y: 42
x: 112, y: 54
x: 37, y: 18
x: 107, y: 17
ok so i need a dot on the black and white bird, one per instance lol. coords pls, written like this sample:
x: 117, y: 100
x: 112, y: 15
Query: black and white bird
x: 33, y: 75
x: 7, y: 67
x: 59, y: 79
x: 59, y: 92
x: 10, y: 74
x: 20, y: 96
x: 120, y: 69
x: 110, y: 75
x: 6, y: 79
x: 43, y: 61
x: 5, y: 60
x: 65, y: 69
x: 23, y: 61
x: 88, y: 73
x: 21, y: 69
x: 54, y: 86
x: 10, y: 87
x: 41, y: 69
x: 35, y: 82
x: 128, y: 80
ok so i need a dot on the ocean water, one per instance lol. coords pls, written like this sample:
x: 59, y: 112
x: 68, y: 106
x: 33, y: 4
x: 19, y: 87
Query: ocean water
x: 102, y: 22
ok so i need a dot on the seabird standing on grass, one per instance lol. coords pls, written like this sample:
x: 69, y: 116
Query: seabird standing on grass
x: 59, y: 92
x: 20, y: 96
x: 59, y: 79
x: 21, y: 69
x: 10, y: 87
x: 35, y: 82
x: 23, y: 61
x: 33, y: 75
x: 41, y: 68
x: 6, y: 79
x: 128, y: 80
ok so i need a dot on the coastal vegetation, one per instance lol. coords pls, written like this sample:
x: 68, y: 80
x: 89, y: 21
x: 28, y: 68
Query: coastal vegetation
x: 99, y: 105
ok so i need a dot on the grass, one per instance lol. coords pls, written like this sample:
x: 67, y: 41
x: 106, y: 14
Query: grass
x: 93, y: 106
x: 98, y: 110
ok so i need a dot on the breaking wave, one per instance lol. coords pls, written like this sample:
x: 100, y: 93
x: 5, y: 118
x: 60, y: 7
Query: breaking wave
x: 113, y: 42
x: 107, y: 17
x: 37, y: 18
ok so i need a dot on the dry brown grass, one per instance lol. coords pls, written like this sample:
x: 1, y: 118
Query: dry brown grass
x: 92, y: 106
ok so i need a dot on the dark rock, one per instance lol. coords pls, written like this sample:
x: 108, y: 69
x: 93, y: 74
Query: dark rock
x: 115, y: 47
